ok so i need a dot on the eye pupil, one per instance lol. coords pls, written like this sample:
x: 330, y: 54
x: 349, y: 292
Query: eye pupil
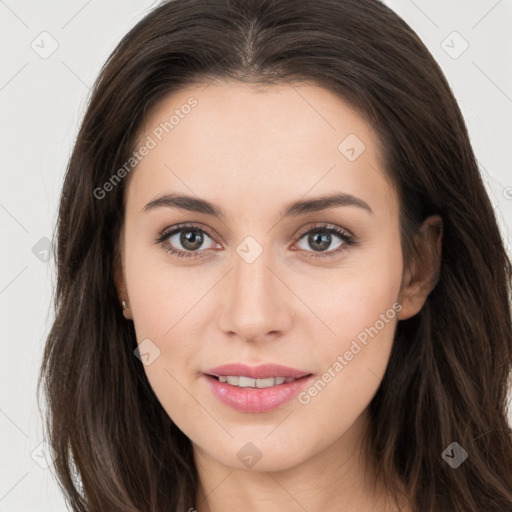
x: 191, y: 239
x: 323, y: 241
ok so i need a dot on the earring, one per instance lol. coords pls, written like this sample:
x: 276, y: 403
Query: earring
x: 125, y: 312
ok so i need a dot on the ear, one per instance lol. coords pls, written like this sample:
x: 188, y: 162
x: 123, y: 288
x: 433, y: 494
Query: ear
x: 120, y: 284
x: 421, y: 275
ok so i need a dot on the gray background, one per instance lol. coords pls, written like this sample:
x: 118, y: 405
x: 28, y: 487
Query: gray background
x: 42, y: 99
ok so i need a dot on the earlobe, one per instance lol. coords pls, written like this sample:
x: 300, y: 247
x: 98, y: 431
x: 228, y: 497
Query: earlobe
x: 127, y: 312
x: 422, y: 275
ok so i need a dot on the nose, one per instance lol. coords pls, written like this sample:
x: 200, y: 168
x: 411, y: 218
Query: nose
x: 256, y: 303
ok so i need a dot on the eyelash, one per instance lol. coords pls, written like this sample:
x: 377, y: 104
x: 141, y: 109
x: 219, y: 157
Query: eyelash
x: 348, y: 240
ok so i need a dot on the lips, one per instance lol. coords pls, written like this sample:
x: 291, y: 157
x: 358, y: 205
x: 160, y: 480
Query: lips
x: 255, y: 389
x: 264, y: 371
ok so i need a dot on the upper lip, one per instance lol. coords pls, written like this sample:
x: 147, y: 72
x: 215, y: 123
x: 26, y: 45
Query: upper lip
x: 263, y: 371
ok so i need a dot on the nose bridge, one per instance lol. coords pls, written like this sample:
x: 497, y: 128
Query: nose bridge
x: 254, y: 304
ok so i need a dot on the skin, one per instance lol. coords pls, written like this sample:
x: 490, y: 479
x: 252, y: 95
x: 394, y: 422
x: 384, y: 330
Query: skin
x: 252, y: 152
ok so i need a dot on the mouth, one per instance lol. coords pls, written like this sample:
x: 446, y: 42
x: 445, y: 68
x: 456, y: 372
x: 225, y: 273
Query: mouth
x: 245, y: 373
x: 241, y: 381
x: 256, y: 389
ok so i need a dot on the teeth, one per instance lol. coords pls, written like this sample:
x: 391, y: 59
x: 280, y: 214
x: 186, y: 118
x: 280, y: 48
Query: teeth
x: 245, y: 382
x: 248, y: 382
x: 267, y: 383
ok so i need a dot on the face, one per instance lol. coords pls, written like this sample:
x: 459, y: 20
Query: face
x: 313, y: 287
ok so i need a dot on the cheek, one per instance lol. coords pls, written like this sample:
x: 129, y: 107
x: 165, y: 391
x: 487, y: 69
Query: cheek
x: 161, y: 294
x: 162, y: 301
x: 361, y: 309
x: 355, y: 296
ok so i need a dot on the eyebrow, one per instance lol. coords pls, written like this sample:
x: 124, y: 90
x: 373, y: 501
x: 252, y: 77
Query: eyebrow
x: 294, y: 209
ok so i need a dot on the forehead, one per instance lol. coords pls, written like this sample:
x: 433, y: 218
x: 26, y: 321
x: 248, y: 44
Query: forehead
x: 237, y: 144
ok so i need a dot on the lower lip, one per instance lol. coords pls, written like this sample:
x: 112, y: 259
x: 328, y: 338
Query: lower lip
x: 256, y: 400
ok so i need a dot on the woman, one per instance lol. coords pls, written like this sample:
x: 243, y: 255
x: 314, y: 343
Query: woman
x: 281, y: 284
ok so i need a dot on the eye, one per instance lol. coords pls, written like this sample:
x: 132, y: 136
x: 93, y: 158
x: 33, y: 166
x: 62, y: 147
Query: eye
x: 320, y: 238
x: 188, y: 239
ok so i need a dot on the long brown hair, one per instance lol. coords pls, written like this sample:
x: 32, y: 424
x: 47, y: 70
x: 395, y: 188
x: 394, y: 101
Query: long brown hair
x: 449, y: 370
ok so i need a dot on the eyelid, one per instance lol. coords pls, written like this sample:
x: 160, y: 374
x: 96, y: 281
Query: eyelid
x: 167, y: 232
x: 325, y: 226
